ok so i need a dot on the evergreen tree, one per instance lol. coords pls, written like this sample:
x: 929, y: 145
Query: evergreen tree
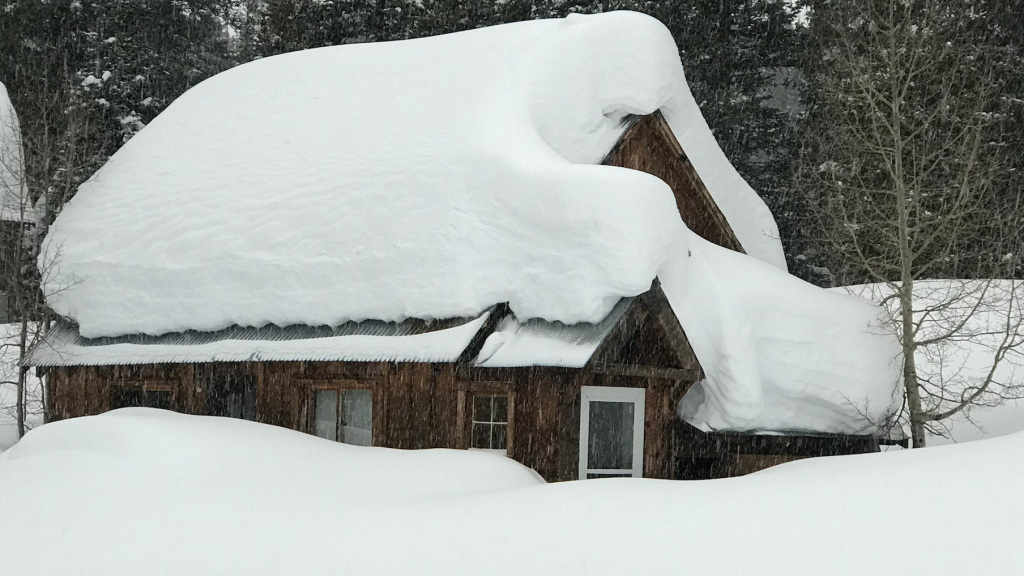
x: 87, y: 76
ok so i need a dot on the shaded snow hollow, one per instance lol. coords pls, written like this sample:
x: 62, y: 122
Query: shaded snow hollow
x: 148, y: 492
x: 311, y: 188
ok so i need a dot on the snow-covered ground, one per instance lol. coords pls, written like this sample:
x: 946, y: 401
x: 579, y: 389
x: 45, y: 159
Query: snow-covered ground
x: 150, y: 492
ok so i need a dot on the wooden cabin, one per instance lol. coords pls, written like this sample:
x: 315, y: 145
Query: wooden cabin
x: 606, y: 408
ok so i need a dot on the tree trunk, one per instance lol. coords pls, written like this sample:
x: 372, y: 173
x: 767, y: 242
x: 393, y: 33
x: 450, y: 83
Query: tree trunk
x: 22, y: 372
x: 910, y: 365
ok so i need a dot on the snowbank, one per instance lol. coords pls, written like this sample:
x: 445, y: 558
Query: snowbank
x: 778, y: 353
x: 310, y: 188
x: 135, y: 492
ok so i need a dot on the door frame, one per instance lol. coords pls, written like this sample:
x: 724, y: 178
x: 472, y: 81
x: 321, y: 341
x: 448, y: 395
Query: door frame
x: 636, y: 396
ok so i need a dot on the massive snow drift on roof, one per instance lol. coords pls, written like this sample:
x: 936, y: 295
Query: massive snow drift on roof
x: 426, y: 178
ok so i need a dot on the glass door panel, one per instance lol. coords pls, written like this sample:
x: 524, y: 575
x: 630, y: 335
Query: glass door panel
x: 356, y: 426
x: 611, y: 432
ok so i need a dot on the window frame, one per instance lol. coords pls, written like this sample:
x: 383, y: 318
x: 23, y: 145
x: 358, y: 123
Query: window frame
x: 145, y: 386
x: 312, y: 386
x: 467, y: 391
x: 636, y: 396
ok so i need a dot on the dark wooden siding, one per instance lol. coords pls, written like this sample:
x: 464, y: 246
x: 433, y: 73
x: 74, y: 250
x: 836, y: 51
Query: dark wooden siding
x: 649, y: 146
x: 416, y: 405
x: 86, y: 390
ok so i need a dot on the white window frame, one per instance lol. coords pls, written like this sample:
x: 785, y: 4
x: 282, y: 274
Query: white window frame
x: 464, y: 419
x: 637, y: 396
x: 506, y: 451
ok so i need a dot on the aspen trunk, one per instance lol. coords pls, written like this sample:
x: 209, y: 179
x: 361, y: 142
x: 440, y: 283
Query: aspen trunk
x: 910, y: 366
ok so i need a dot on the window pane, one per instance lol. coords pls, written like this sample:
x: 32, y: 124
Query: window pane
x: 128, y: 397
x: 231, y: 395
x: 137, y: 397
x: 325, y: 414
x: 498, y: 435
x: 610, y: 438
x: 481, y: 436
x: 234, y: 404
x: 481, y: 408
x: 158, y: 399
x: 357, y: 417
x: 249, y: 402
x: 500, y: 409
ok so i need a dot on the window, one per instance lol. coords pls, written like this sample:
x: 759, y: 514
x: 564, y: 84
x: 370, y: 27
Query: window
x: 611, y: 432
x: 141, y: 395
x: 230, y: 393
x: 489, y: 427
x: 344, y: 415
x: 486, y: 411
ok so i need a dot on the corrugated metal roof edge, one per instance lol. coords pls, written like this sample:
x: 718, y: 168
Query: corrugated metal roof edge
x: 64, y: 346
x: 221, y: 357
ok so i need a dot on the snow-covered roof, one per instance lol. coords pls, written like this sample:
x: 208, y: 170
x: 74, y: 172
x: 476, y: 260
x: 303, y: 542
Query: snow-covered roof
x: 540, y: 343
x: 310, y: 188
x: 15, y: 202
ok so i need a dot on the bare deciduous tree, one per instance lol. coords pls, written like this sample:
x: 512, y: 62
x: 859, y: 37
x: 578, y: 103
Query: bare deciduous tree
x: 910, y: 183
x: 18, y: 222
x: 39, y: 170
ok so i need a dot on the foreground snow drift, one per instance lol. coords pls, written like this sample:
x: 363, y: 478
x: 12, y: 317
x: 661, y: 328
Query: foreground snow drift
x: 145, y: 492
x: 310, y: 188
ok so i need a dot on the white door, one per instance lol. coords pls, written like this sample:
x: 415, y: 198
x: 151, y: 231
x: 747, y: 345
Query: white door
x: 611, y: 432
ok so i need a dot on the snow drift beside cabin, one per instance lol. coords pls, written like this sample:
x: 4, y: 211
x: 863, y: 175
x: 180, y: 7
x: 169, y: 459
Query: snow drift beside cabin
x: 310, y: 188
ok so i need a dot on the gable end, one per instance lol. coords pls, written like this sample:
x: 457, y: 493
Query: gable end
x: 648, y: 145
